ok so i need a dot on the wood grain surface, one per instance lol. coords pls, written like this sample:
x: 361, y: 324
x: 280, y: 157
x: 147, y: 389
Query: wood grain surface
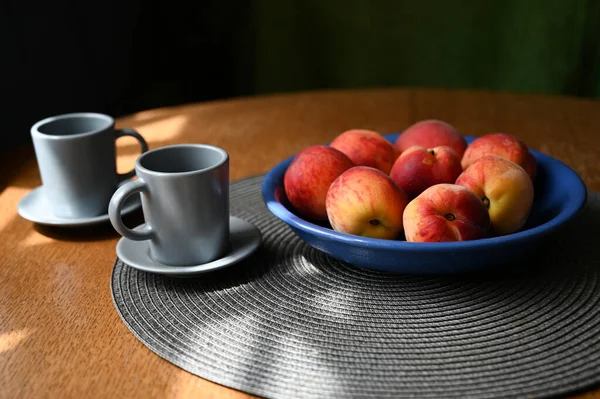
x: 60, y: 336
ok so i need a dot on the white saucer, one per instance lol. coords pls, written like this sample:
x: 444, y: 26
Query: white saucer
x: 245, y: 238
x: 35, y: 207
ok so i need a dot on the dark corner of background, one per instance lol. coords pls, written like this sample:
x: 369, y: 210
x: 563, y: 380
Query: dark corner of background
x: 124, y: 56
x: 117, y: 57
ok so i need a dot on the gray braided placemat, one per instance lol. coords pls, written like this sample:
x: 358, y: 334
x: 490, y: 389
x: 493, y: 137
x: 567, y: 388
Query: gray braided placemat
x: 291, y: 322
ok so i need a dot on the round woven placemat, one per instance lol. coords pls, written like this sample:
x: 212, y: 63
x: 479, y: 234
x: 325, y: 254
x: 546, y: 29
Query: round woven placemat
x: 291, y: 322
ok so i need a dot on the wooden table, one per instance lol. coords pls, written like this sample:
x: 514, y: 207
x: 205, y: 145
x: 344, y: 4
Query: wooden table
x: 60, y: 335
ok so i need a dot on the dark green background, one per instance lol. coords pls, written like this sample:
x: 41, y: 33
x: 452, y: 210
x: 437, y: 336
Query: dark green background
x: 124, y: 56
x: 544, y: 46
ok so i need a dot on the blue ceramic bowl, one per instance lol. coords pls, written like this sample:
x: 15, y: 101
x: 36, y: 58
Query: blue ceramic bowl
x: 559, y: 196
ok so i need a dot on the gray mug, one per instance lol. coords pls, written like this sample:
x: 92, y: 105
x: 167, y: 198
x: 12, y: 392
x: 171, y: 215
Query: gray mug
x: 185, y: 200
x: 76, y: 158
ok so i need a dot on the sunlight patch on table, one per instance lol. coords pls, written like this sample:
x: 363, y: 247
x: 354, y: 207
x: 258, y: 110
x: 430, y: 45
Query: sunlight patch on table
x: 11, y: 339
x: 166, y: 129
x: 9, y: 198
x: 150, y: 114
x: 34, y: 238
x: 156, y: 134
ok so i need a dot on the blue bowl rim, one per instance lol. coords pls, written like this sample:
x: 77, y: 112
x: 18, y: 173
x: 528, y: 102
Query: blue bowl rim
x: 577, y: 186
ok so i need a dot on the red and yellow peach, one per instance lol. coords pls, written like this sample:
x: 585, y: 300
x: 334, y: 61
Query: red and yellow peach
x: 503, y: 145
x: 430, y: 133
x: 366, y: 148
x: 446, y: 212
x: 364, y: 201
x: 309, y: 176
x: 419, y: 168
x: 505, y: 189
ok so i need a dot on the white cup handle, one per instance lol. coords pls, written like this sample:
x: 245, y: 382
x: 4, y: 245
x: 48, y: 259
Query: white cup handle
x: 116, y: 205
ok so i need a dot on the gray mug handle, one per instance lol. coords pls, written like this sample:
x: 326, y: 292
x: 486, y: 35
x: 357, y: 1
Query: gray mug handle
x: 116, y: 205
x: 144, y: 146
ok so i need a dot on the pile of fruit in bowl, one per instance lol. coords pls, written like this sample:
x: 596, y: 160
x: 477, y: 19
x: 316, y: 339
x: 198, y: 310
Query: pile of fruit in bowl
x: 428, y: 198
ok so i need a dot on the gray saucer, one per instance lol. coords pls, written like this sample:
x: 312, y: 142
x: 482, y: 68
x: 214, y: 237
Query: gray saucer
x: 35, y: 207
x: 245, y: 238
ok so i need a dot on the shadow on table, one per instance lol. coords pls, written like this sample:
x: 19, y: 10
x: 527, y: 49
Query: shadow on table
x: 243, y: 272
x: 99, y: 232
x: 13, y: 165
